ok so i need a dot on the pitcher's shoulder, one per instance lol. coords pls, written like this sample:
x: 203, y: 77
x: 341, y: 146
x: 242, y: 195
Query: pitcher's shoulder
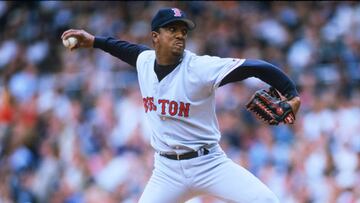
x: 200, y: 61
x: 147, y: 53
x: 146, y: 56
x: 144, y: 59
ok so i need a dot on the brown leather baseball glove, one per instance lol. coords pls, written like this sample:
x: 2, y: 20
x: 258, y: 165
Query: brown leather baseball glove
x: 269, y: 106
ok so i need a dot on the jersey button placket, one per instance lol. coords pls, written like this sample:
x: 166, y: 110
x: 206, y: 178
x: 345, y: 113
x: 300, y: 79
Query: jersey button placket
x: 156, y: 94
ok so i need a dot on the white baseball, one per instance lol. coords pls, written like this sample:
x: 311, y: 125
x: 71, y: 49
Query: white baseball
x: 70, y: 42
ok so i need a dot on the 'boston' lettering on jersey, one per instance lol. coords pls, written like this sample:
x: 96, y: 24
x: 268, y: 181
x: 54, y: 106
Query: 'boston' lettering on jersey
x: 172, y: 107
x: 149, y: 104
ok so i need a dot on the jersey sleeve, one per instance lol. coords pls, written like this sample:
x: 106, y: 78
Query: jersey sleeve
x: 213, y: 69
x: 123, y: 50
x: 266, y: 72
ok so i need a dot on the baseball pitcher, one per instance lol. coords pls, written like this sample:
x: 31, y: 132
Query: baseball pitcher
x: 178, y: 91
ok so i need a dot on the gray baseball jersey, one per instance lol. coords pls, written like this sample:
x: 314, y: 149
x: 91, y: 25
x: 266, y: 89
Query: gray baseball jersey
x: 181, y: 111
x: 181, y: 107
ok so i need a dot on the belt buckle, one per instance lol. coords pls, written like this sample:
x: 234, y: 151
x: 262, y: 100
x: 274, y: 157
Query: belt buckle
x: 203, y: 151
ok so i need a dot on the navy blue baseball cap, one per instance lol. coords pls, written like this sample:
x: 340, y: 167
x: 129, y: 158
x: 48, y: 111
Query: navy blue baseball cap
x: 168, y: 15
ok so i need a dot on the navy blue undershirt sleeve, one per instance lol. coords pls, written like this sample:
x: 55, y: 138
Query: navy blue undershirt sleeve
x: 265, y: 72
x: 123, y: 50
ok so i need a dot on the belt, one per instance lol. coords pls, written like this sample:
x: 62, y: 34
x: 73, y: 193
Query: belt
x: 188, y: 155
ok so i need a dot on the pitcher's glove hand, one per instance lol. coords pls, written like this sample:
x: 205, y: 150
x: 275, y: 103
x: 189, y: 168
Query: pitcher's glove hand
x: 269, y: 106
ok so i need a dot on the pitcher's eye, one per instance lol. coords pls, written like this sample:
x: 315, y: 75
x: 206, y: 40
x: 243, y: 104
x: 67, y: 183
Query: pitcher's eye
x: 184, y: 31
x: 172, y: 29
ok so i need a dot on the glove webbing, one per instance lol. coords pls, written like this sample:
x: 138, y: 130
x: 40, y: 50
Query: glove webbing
x: 260, y: 109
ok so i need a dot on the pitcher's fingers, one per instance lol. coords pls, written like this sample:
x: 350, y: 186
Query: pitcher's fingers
x: 66, y: 33
x: 290, y: 119
x: 69, y: 33
x: 287, y: 119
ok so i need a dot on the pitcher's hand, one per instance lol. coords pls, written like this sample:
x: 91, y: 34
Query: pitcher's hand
x: 85, y: 39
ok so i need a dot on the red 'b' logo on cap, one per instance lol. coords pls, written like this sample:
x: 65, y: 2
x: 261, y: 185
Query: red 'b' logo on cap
x: 177, y: 12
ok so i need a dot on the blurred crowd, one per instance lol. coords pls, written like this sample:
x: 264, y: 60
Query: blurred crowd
x: 72, y: 125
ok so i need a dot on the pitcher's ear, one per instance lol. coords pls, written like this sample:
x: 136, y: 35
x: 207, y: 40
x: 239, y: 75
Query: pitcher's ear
x: 154, y: 35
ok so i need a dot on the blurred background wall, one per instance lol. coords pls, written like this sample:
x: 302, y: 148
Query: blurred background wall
x: 72, y: 125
